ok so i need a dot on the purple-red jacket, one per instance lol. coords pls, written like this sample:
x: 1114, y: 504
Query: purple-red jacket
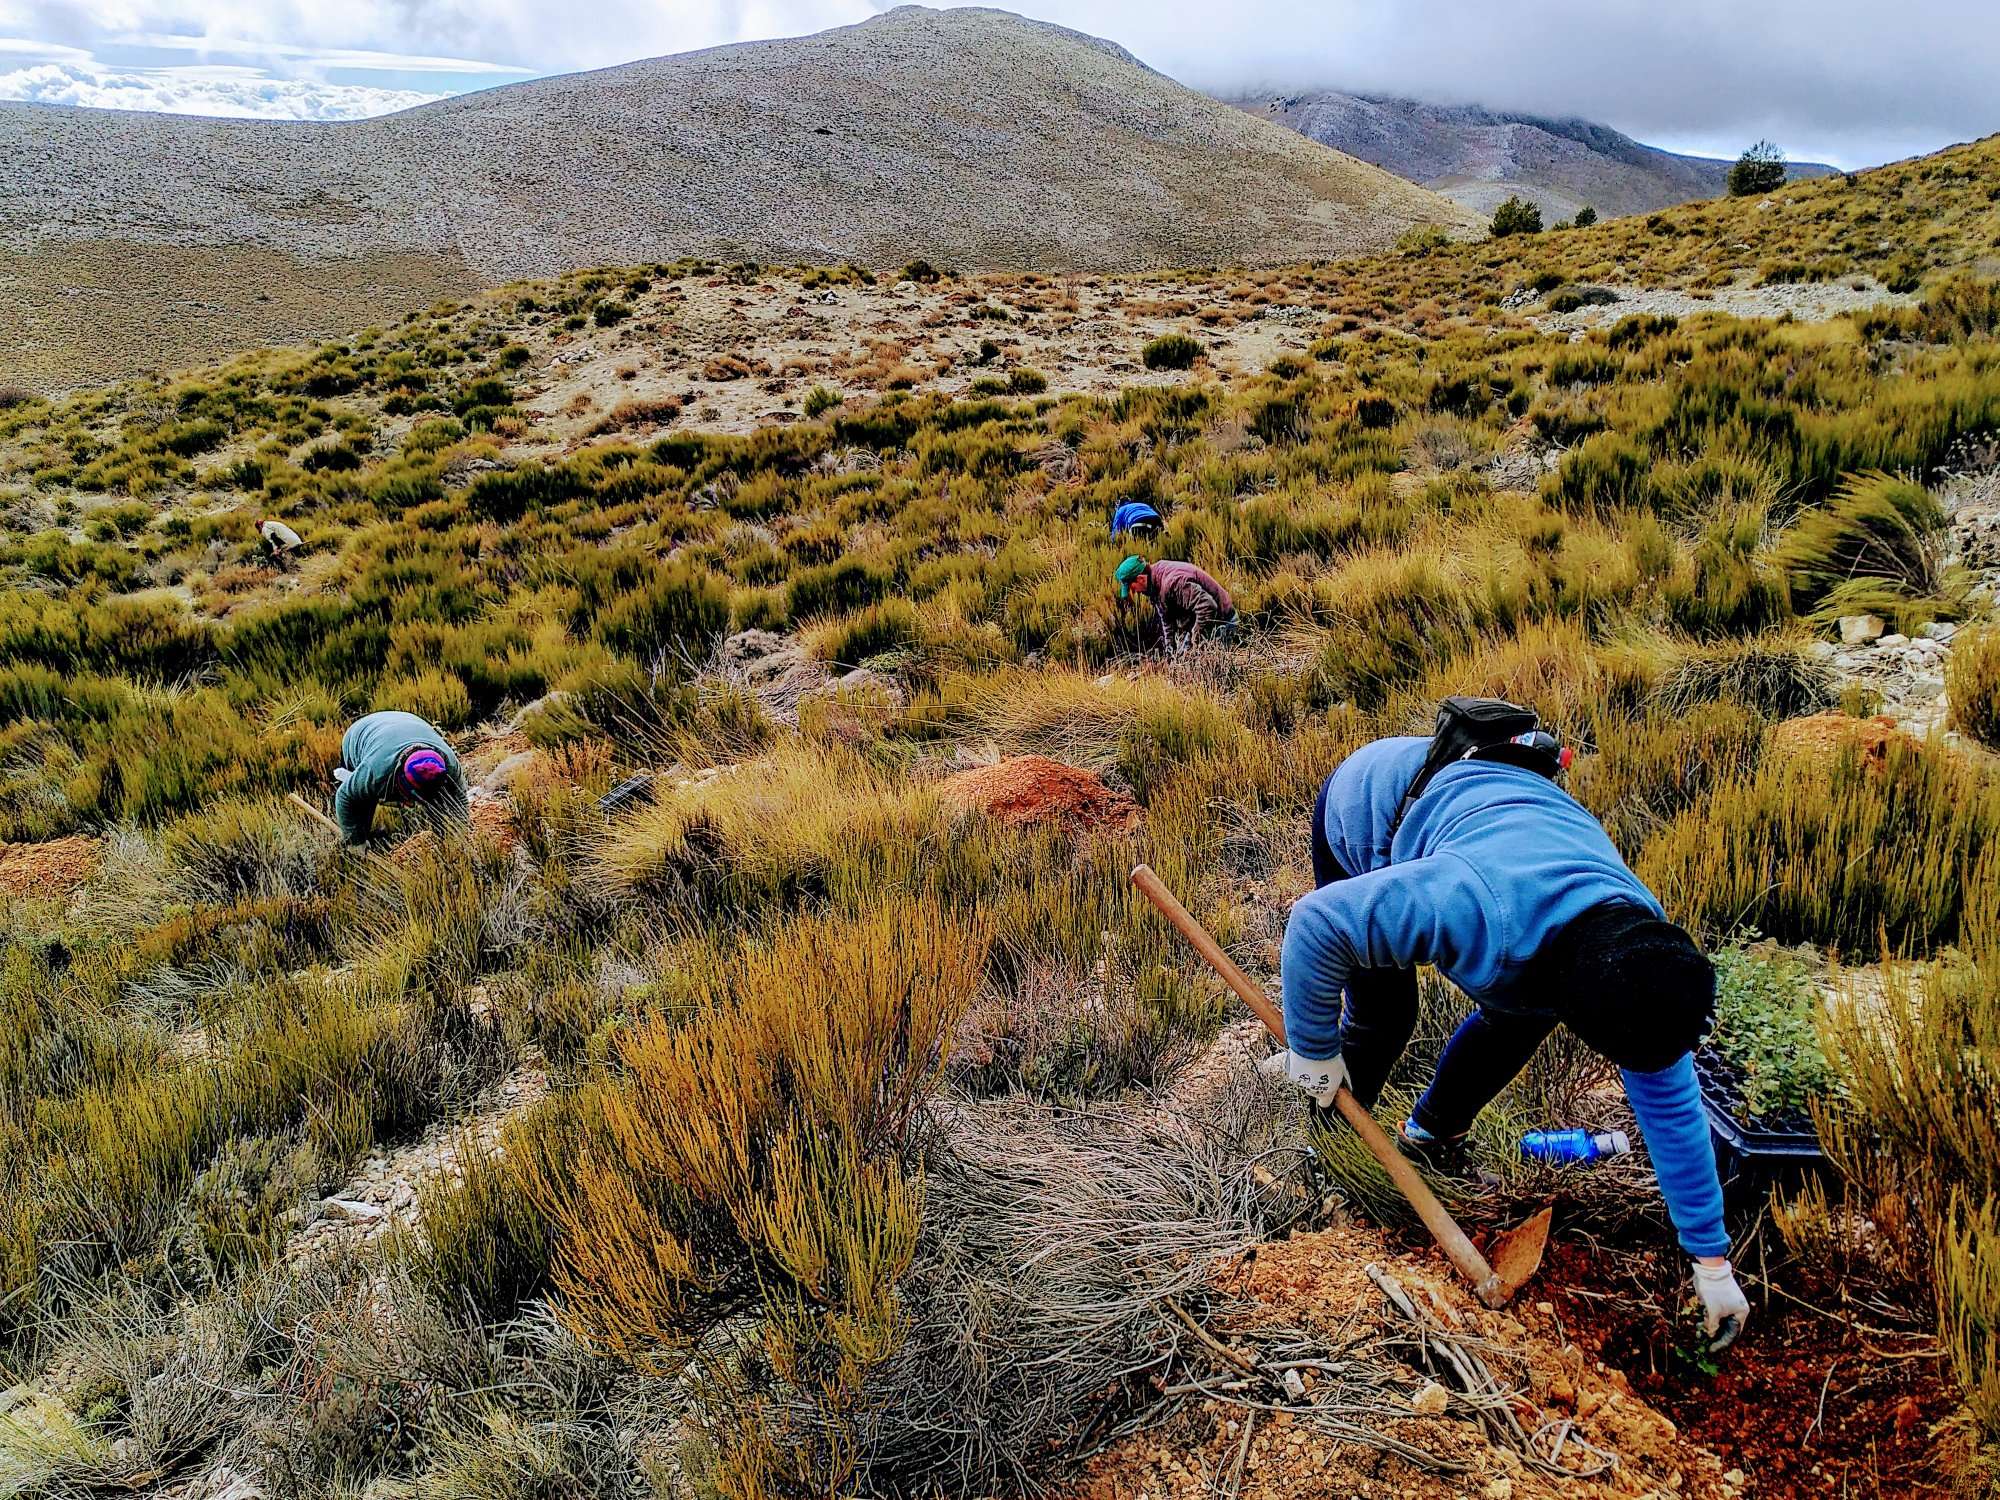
x: 1186, y: 598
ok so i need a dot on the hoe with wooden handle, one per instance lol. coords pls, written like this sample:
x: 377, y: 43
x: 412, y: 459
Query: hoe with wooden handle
x: 1517, y: 1253
x: 314, y: 813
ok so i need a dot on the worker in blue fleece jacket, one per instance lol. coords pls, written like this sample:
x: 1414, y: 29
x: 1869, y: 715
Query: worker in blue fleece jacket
x: 1514, y: 892
x: 393, y: 756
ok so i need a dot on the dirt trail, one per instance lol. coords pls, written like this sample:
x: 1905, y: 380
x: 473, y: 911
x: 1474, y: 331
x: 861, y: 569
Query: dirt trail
x: 381, y: 1196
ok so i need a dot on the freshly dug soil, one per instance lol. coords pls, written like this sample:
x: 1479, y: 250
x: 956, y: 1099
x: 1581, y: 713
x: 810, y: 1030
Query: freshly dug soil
x: 1036, y: 789
x: 54, y: 869
x: 1824, y: 735
x: 1808, y: 1403
x: 1318, y: 1280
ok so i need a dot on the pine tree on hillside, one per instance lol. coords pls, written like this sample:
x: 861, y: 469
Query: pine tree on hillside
x: 1761, y: 169
x: 1516, y: 216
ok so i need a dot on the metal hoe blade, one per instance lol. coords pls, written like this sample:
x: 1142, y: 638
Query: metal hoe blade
x: 1516, y: 1254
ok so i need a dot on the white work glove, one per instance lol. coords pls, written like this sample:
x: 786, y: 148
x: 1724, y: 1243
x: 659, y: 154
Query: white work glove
x: 341, y: 775
x: 1321, y: 1080
x: 1724, y: 1308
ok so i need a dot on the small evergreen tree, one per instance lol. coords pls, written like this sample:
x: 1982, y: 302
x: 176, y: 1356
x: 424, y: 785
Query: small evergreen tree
x: 1586, y: 216
x: 1759, y: 170
x: 1516, y: 216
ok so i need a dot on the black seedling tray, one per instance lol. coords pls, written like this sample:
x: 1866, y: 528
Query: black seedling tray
x: 1771, y: 1149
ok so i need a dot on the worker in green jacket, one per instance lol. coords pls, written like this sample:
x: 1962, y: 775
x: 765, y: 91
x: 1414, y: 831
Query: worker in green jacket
x: 395, y: 757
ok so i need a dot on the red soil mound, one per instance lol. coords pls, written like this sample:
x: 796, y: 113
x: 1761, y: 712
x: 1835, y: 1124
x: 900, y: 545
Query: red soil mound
x: 1823, y: 735
x: 52, y: 869
x: 1035, y: 789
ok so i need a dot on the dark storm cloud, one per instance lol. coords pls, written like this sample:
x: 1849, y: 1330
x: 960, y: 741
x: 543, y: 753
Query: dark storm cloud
x: 1853, y: 81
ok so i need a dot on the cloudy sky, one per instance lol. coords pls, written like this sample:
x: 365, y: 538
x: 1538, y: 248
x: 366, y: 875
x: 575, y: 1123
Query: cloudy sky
x: 1853, y: 82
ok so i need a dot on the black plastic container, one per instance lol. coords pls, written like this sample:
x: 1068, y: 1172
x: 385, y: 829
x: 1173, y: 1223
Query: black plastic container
x: 1782, y: 1149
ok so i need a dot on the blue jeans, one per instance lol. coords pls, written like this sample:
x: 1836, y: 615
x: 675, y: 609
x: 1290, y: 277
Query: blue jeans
x: 1379, y: 1016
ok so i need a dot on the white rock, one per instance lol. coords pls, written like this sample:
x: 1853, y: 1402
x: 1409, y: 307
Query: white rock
x: 1431, y: 1400
x: 352, y: 1208
x: 1890, y: 642
x: 1859, y: 630
x: 1937, y: 630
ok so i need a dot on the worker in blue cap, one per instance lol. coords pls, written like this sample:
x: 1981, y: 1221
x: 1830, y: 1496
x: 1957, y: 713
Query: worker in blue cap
x: 1137, y: 518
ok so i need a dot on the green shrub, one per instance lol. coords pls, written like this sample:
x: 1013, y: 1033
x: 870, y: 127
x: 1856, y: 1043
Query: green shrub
x: 1841, y: 852
x: 1767, y: 1015
x: 676, y: 613
x: 1585, y: 217
x: 1171, y: 351
x: 436, y: 695
x: 892, y: 625
x: 1516, y: 216
x: 836, y: 587
x: 608, y: 314
x: 820, y: 400
x: 1421, y: 239
x: 1759, y: 170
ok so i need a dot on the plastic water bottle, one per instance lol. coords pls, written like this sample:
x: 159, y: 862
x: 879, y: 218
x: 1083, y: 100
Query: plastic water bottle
x: 1574, y: 1147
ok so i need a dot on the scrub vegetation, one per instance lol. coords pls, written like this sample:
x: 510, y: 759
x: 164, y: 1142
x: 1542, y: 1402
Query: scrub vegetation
x: 755, y: 997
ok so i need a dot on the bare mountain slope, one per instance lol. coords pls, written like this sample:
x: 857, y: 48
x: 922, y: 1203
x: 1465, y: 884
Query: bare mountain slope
x: 972, y: 137
x: 1478, y: 157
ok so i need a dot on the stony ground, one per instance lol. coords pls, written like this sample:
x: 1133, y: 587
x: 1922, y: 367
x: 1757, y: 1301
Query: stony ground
x: 1809, y: 302
x: 725, y: 357
x: 969, y: 137
x: 1906, y: 673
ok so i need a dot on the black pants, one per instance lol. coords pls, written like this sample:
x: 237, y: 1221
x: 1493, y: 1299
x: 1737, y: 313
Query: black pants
x: 1380, y: 1013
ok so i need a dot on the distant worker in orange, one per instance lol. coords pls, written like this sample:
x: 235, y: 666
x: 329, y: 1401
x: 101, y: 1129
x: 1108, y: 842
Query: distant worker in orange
x: 1189, y: 606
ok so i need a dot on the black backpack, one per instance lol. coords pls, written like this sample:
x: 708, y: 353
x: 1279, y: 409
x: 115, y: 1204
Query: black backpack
x: 1484, y: 729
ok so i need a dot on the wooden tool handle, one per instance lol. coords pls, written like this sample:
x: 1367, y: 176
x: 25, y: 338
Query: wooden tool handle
x: 1444, y: 1229
x: 314, y: 813
x: 1155, y: 890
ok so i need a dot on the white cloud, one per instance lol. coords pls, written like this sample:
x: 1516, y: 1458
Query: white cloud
x: 234, y: 92
x: 350, y: 59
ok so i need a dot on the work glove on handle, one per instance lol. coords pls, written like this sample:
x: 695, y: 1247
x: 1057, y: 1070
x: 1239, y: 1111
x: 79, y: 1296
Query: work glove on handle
x: 1318, y: 1080
x: 1724, y: 1308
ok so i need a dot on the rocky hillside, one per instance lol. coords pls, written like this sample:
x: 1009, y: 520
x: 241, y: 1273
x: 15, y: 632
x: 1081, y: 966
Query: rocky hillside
x: 1478, y: 156
x: 970, y: 137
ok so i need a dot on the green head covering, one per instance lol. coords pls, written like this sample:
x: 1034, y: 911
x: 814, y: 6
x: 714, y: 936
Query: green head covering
x: 1129, y: 569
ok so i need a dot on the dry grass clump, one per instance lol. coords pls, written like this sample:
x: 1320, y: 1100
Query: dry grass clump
x: 757, y: 1158
x: 1972, y: 683
x: 1875, y: 549
x: 1843, y: 854
x: 1916, y: 1141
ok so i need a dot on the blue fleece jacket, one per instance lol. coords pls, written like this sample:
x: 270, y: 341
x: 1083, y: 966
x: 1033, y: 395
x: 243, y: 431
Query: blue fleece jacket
x: 1489, y: 865
x: 1130, y: 514
x: 373, y: 749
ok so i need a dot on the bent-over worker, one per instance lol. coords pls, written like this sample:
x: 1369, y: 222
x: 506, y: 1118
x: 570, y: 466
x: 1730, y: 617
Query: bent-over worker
x: 278, y: 540
x: 1188, y: 605
x: 395, y: 757
x: 1513, y: 890
x: 1137, y: 517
